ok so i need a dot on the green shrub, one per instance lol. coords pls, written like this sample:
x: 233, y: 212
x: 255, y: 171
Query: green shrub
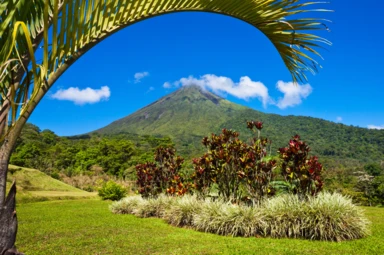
x: 55, y: 175
x: 112, y: 191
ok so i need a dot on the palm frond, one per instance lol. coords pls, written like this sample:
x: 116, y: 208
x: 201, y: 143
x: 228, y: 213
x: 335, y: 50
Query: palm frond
x: 79, y: 25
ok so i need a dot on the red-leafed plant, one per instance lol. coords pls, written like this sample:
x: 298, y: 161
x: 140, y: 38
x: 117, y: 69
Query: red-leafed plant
x: 259, y: 167
x: 238, y: 169
x: 302, y: 171
x: 161, y: 176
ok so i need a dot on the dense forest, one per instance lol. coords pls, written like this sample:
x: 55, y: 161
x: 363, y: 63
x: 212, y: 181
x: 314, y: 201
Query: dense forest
x: 79, y: 155
x: 326, y: 138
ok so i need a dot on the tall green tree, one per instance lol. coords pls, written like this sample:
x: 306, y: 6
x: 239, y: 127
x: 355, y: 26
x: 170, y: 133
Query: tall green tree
x: 78, y: 25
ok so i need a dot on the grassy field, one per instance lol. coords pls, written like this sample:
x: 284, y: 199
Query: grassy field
x: 88, y: 227
x: 33, y: 185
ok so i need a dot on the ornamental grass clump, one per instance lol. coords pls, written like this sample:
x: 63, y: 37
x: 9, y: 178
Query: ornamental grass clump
x: 241, y: 221
x: 327, y: 217
x: 284, y: 216
x: 227, y: 219
x: 182, y: 211
x: 154, y: 207
x: 126, y: 205
x: 334, y: 217
x: 211, y: 217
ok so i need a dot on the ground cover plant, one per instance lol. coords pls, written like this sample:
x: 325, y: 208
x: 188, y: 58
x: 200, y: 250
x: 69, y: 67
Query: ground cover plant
x: 88, y: 227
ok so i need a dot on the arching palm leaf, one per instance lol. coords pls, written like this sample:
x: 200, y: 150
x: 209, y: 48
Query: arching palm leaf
x: 78, y: 25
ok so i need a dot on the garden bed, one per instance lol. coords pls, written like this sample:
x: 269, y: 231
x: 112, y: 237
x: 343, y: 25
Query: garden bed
x: 327, y: 217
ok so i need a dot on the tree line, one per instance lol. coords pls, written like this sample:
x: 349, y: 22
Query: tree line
x: 117, y: 155
x: 114, y: 155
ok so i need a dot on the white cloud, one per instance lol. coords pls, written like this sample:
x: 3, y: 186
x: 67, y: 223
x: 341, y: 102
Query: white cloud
x: 247, y: 89
x: 244, y: 89
x: 150, y: 89
x: 293, y: 93
x: 168, y: 85
x: 339, y: 119
x: 376, y: 127
x: 83, y: 96
x: 140, y: 76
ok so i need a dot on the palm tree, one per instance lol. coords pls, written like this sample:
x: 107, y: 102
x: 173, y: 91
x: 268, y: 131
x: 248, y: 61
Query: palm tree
x: 79, y: 25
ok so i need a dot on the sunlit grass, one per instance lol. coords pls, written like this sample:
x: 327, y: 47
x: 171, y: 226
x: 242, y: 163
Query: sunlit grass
x: 34, y: 185
x: 88, y: 227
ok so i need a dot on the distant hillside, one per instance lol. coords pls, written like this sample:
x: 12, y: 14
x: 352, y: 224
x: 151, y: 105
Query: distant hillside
x: 33, y: 185
x: 190, y: 113
x: 325, y: 138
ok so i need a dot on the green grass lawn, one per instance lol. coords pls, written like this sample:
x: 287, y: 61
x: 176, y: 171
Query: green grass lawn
x: 88, y: 227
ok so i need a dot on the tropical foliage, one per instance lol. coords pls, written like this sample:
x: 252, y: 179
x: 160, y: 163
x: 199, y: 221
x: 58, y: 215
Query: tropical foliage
x: 240, y: 172
x: 299, y: 169
x: 164, y: 175
x: 234, y: 165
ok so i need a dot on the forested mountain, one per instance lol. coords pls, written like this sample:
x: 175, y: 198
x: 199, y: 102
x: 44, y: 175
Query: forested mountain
x: 191, y: 113
x: 186, y: 115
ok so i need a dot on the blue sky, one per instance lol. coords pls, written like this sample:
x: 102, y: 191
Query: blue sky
x: 148, y: 60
